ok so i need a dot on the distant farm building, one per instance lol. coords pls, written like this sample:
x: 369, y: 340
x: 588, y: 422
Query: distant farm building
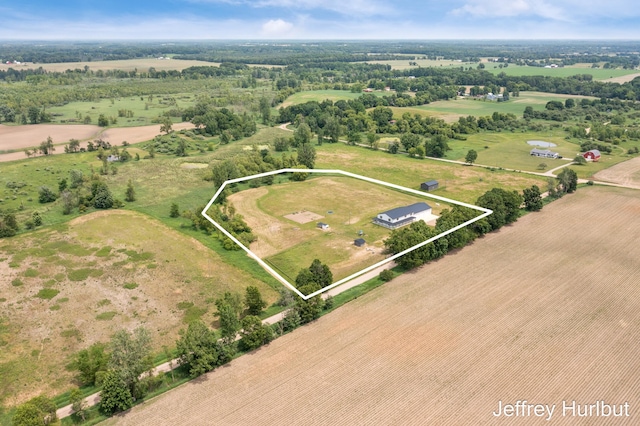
x: 323, y: 226
x: 593, y: 155
x: 359, y: 242
x: 545, y: 153
x: 401, y: 216
x: 429, y: 185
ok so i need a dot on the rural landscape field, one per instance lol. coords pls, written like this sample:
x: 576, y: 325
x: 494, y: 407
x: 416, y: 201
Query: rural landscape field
x: 120, y: 302
x: 555, y: 320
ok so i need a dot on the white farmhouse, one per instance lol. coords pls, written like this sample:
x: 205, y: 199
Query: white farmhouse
x: 401, y: 216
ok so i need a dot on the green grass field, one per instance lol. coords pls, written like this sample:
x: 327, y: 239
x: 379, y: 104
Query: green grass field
x: 462, y: 107
x: 143, y: 108
x: 321, y: 95
x: 597, y: 73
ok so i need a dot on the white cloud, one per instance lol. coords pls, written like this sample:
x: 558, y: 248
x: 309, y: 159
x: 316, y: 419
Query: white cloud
x: 276, y: 27
x: 512, y: 8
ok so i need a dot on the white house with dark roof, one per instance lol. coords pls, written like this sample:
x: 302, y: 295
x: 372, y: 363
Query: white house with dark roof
x: 545, y: 153
x: 401, y: 216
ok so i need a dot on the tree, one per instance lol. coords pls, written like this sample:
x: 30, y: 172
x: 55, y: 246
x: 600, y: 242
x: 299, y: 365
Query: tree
x: 78, y: 403
x: 46, y: 195
x: 332, y: 129
x: 580, y: 160
x: 68, y: 202
x: 254, y: 333
x: 103, y: 121
x: 199, y: 350
x: 302, y: 135
x: 471, y: 157
x: 166, y: 125
x: 130, y: 355
x: 265, y: 111
x: 37, y: 219
x: 253, y: 300
x: 310, y: 309
x: 62, y: 185
x: 174, y: 211
x: 307, y: 155
x: 410, y: 140
x: 394, y: 147
x: 34, y: 115
x: 317, y: 273
x: 74, y: 145
x: 27, y: 414
x: 505, y: 205
x: 37, y: 411
x: 568, y: 180
x: 8, y: 225
x: 229, y: 309
x: 281, y: 144
x: 130, y: 194
x: 102, y: 198
x: 89, y: 362
x: 116, y: 394
x: 532, y: 198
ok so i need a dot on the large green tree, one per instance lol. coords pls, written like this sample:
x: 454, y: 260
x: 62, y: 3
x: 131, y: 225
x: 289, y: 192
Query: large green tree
x: 505, y: 205
x: 130, y: 355
x: 199, y: 350
x: 229, y: 310
x: 89, y: 362
x: 307, y: 155
x: 253, y: 300
x: 116, y: 394
x: 532, y: 198
x: 254, y: 333
x: 568, y: 180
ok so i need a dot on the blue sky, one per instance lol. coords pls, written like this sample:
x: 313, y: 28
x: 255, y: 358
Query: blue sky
x: 319, y: 19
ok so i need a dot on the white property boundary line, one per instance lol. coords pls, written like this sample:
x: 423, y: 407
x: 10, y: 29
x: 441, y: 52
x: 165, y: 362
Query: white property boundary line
x: 485, y: 213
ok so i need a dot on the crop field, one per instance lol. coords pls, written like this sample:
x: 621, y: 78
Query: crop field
x: 346, y: 204
x: 67, y: 287
x: 142, y: 64
x: 546, y: 310
x: 627, y: 173
x: 457, y: 181
x: 403, y: 64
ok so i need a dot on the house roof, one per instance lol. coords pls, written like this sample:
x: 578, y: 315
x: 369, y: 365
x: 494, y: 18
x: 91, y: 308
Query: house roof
x: 406, y: 210
x: 359, y: 241
x: 431, y: 182
x: 542, y: 151
x: 322, y: 224
x: 594, y: 152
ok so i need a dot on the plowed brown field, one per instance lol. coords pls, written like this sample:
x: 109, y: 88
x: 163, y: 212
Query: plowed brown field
x: 547, y: 310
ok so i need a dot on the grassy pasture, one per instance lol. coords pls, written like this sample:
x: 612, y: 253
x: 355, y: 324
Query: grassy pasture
x: 144, y: 110
x: 568, y: 71
x: 456, y: 181
x: 462, y: 107
x: 100, y: 272
x: 289, y: 246
x: 403, y: 64
x: 321, y: 95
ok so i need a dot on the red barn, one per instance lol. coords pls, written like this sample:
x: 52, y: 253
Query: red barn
x: 593, y: 155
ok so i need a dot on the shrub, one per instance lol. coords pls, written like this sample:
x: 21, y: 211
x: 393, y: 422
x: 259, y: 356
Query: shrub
x: 386, y: 275
x: 46, y: 195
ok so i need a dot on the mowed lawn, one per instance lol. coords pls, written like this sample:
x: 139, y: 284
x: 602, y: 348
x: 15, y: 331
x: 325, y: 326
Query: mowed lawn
x: 562, y: 72
x: 546, y: 310
x: 321, y: 95
x: 346, y: 204
x: 66, y: 287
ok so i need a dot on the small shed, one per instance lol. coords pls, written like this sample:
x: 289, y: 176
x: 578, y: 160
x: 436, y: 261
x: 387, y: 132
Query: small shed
x: 359, y: 242
x: 593, y: 155
x: 322, y: 226
x: 429, y: 185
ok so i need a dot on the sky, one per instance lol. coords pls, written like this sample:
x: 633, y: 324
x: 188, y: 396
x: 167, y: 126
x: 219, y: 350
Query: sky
x: 319, y: 19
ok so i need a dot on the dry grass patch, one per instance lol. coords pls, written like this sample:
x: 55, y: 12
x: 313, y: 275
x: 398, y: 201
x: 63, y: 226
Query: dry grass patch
x: 98, y: 295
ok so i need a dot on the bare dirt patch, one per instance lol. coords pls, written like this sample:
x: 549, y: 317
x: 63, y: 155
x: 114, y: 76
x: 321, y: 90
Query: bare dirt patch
x: 626, y: 173
x: 303, y: 217
x: 545, y: 310
x: 622, y: 79
x: 29, y: 136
